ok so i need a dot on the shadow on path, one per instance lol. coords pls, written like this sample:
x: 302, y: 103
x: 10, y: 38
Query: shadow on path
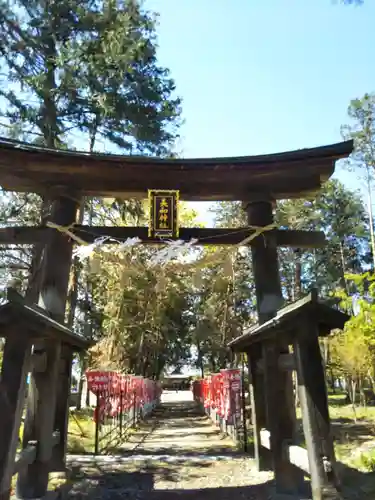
x: 176, y: 453
x: 143, y: 485
x: 179, y: 454
x: 178, y: 429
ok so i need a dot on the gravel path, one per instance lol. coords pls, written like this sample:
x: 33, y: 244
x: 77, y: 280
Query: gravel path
x: 176, y: 454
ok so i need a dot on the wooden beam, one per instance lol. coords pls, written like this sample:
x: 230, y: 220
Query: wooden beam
x: 26, y: 457
x: 258, y: 407
x: 16, y: 364
x: 56, y: 438
x: 62, y: 410
x: 32, y: 481
x: 38, y: 362
x: 289, y: 480
x: 315, y: 416
x: 207, y: 236
x: 298, y: 456
x: 286, y: 175
x: 286, y: 362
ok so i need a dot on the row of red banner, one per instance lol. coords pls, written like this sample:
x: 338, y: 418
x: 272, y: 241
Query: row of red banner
x: 221, y: 392
x: 117, y: 392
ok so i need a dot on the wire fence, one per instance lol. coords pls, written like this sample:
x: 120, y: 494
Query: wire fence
x: 121, y: 401
x: 223, y: 399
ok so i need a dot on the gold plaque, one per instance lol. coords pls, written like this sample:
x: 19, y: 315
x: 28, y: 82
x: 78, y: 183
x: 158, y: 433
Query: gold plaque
x: 163, y: 213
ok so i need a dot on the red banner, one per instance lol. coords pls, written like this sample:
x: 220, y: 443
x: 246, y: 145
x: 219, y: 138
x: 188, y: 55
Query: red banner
x: 222, y: 392
x: 117, y: 392
x: 231, y: 393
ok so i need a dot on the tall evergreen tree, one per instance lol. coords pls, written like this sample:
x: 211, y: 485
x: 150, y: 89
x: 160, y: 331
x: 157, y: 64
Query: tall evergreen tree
x: 338, y: 212
x: 343, y: 218
x: 362, y: 162
x: 87, y: 66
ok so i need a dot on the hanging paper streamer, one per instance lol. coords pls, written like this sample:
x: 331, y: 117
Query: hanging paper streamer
x: 175, y: 252
x: 84, y: 251
x: 130, y: 242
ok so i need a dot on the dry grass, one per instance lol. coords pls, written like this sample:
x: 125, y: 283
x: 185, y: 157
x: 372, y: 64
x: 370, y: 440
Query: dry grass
x: 354, y: 433
x: 81, y: 434
x: 81, y: 439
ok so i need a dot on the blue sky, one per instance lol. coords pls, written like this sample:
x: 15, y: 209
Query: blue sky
x: 264, y: 76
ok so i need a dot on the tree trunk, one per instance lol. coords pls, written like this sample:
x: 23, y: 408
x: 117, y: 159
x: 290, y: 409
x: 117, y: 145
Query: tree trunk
x: 200, y: 358
x: 49, y: 109
x: 352, y: 390
x: 343, y: 266
x: 33, y: 287
x: 362, y: 395
x: 297, y: 276
x: 213, y: 364
x: 76, y: 271
x: 371, y: 218
x: 139, y: 365
x: 83, y: 363
x: 332, y: 381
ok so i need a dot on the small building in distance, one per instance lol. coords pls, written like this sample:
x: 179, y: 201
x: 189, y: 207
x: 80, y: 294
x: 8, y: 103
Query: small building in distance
x: 180, y: 382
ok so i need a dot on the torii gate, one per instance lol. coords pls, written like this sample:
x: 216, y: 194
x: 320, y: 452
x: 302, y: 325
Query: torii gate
x: 64, y: 177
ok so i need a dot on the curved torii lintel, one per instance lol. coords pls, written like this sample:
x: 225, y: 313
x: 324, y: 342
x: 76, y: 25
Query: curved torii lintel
x: 25, y: 167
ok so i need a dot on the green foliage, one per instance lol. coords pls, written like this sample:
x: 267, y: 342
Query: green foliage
x: 367, y: 461
x: 146, y: 311
x: 17, y: 209
x: 362, y: 161
x: 335, y: 210
x: 362, y: 130
x: 86, y: 66
x: 361, y: 306
x: 90, y: 68
x: 341, y: 215
x: 223, y: 307
x: 352, y: 350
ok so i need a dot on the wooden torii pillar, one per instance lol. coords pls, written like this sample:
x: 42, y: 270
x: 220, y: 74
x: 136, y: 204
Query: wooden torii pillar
x: 23, y: 325
x: 300, y: 325
x: 273, y: 386
x: 47, y: 405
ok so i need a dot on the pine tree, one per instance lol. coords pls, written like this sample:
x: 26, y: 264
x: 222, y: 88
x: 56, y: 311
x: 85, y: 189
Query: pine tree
x: 362, y: 130
x: 338, y: 212
x: 86, y: 66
